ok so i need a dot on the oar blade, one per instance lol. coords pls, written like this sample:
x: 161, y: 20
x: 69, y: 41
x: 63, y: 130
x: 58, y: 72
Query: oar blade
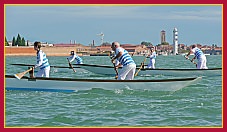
x: 17, y: 76
x: 20, y: 75
x: 74, y: 70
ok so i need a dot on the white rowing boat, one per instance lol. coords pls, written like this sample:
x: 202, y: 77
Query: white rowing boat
x: 109, y: 70
x: 52, y: 66
x: 71, y: 85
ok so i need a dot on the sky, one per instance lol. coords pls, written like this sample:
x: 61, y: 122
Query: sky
x: 127, y: 24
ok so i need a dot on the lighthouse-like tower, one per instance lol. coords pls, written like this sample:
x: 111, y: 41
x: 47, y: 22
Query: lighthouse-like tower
x: 175, y: 41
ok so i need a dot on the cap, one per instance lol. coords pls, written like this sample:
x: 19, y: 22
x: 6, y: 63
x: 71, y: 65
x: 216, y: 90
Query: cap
x: 72, y: 53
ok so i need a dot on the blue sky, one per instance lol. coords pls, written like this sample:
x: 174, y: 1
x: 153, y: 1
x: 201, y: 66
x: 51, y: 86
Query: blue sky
x: 124, y: 23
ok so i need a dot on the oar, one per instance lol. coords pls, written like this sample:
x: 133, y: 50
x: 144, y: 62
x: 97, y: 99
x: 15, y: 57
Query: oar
x: 20, y: 75
x: 142, y: 64
x: 71, y: 65
x: 114, y: 68
x: 115, y: 71
x: 191, y: 61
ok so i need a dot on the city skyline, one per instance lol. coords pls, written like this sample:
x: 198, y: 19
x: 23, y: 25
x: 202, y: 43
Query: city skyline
x: 125, y: 23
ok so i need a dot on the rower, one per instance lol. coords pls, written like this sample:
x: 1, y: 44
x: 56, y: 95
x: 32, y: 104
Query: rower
x: 152, y: 58
x: 129, y: 66
x: 73, y: 57
x: 199, y: 55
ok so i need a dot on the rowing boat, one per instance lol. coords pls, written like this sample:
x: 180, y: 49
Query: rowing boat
x: 109, y: 70
x: 71, y: 85
x: 52, y: 66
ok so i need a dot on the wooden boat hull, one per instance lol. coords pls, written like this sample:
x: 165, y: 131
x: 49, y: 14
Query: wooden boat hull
x: 109, y: 70
x: 71, y: 85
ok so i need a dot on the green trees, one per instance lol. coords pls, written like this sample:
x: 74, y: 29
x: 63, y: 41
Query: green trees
x: 6, y: 42
x: 13, y: 42
x: 23, y: 42
x: 20, y: 41
x: 146, y: 43
x: 17, y: 42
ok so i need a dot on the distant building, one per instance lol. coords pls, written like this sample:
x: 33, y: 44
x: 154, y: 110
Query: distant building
x: 163, y: 36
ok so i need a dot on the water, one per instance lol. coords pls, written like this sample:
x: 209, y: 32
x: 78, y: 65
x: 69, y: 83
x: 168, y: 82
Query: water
x: 198, y: 105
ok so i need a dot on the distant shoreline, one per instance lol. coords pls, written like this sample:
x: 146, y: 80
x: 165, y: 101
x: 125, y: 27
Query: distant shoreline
x: 29, y: 51
x: 50, y: 51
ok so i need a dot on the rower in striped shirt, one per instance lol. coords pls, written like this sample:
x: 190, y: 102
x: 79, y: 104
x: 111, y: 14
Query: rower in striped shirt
x: 42, y: 62
x: 129, y: 66
x: 199, y: 55
x: 75, y: 57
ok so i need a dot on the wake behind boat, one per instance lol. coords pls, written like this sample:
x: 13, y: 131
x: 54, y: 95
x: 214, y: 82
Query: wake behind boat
x: 109, y: 70
x: 71, y: 85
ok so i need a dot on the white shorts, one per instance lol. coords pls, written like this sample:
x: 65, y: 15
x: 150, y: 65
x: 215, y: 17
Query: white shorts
x: 202, y: 63
x: 43, y: 72
x: 127, y: 71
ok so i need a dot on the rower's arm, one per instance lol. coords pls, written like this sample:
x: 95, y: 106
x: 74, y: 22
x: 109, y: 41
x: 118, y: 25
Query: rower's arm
x: 118, y: 55
x: 189, y: 53
x: 39, y: 60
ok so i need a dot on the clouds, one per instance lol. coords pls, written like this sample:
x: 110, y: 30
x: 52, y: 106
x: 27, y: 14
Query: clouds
x: 150, y: 12
x: 213, y: 15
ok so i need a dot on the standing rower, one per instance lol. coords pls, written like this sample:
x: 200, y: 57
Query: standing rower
x: 42, y: 61
x: 199, y: 56
x: 129, y: 66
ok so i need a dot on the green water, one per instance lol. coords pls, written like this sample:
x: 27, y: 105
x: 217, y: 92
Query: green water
x: 196, y: 105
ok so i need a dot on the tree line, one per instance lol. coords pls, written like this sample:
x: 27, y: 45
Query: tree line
x: 21, y: 42
x: 17, y: 41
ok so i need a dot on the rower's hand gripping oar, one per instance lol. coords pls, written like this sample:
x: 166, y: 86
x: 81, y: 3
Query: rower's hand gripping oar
x: 71, y: 65
x: 142, y: 64
x: 191, y: 60
x: 20, y: 75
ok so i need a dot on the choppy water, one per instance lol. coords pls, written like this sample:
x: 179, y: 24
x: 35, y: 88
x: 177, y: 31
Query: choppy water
x: 196, y: 105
